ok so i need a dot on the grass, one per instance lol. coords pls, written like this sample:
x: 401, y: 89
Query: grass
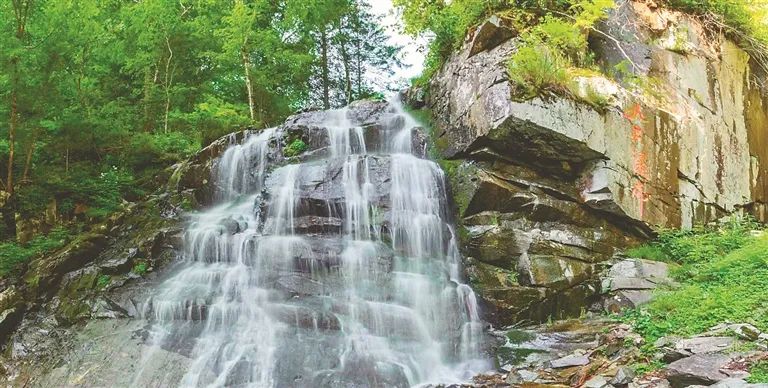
x: 723, y: 272
x: 758, y: 373
x: 13, y: 254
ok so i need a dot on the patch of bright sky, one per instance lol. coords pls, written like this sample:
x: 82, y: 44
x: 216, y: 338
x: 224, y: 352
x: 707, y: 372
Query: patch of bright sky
x: 414, y: 49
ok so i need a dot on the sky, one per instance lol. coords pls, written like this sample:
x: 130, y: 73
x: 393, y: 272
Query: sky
x: 413, y: 49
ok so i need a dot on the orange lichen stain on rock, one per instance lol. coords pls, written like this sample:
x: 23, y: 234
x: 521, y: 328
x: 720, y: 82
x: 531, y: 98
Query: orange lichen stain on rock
x: 635, y: 116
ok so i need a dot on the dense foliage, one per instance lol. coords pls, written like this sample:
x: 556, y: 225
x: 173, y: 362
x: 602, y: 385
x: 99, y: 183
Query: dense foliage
x: 554, y: 32
x: 98, y: 96
x: 748, y: 18
x: 723, y: 276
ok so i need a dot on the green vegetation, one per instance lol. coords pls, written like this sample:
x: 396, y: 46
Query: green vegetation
x: 12, y: 254
x: 758, y: 373
x: 140, y: 268
x: 723, y: 276
x: 447, y: 23
x: 553, y: 50
x: 103, y: 281
x: 97, y: 98
x: 745, y: 20
x: 296, y: 148
x: 554, y: 35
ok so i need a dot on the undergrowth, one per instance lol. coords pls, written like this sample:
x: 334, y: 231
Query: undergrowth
x: 758, y: 373
x: 13, y: 254
x: 723, y: 276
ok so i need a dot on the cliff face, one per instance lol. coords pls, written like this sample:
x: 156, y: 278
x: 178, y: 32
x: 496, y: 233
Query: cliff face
x: 548, y: 189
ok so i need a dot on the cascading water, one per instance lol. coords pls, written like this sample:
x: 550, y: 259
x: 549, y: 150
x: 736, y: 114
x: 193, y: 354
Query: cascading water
x: 336, y: 268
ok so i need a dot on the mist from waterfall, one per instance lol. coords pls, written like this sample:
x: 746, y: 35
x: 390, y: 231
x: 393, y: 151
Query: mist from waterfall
x: 337, y: 268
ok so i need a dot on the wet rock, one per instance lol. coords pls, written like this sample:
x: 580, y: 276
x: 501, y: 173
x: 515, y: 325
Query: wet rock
x: 569, y: 361
x: 415, y: 98
x: 305, y: 318
x: 300, y: 284
x: 12, y: 309
x: 230, y: 226
x: 121, y: 263
x: 106, y: 308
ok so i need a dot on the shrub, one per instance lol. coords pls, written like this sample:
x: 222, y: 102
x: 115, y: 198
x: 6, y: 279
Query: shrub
x: 140, y: 268
x: 13, y: 254
x: 297, y: 147
x: 538, y: 68
x: 103, y: 281
x: 108, y: 190
x: 745, y: 17
x: 550, y: 52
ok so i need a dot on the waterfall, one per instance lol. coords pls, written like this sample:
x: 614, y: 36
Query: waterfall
x: 336, y: 268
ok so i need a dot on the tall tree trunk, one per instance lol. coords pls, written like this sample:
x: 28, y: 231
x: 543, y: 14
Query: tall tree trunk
x: 359, y: 67
x: 28, y: 161
x: 168, y: 81
x: 324, y: 64
x: 147, y: 100
x: 248, y: 84
x: 12, y: 141
x: 347, y: 72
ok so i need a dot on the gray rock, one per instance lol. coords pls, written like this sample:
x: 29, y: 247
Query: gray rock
x: 521, y: 376
x: 569, y: 361
x: 735, y: 383
x: 746, y: 331
x: 624, y: 376
x: 597, y: 382
x: 230, y: 225
x: 490, y: 34
x: 699, y: 345
x: 702, y: 369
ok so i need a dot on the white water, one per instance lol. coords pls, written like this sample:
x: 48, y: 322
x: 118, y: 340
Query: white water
x: 262, y: 302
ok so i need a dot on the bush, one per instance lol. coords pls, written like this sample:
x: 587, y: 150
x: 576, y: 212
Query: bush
x: 746, y: 17
x: 13, y: 254
x: 108, y: 191
x: 553, y: 49
x: 297, y: 147
x: 140, y: 268
x: 538, y: 68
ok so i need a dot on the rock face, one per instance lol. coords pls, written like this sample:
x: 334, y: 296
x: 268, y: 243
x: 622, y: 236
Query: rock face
x: 548, y: 189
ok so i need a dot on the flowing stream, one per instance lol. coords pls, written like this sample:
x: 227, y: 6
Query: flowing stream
x: 337, y: 268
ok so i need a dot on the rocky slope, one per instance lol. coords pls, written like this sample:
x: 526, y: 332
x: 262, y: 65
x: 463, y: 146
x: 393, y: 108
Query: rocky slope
x: 549, y: 190
x: 94, y: 285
